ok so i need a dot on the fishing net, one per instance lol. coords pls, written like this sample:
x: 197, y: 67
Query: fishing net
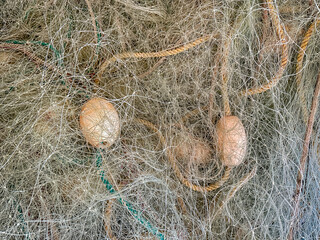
x: 172, y: 70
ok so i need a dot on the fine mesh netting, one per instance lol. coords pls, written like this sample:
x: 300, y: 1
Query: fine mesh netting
x: 172, y: 70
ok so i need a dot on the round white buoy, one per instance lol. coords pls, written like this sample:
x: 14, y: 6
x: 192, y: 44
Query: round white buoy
x: 232, y: 140
x: 99, y: 123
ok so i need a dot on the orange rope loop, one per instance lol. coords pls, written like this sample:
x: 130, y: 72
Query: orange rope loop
x: 284, y: 54
x: 176, y: 169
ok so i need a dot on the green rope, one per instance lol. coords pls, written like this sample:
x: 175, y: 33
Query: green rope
x: 21, y: 218
x: 71, y: 25
x: 9, y: 90
x: 98, y: 37
x: 56, y: 52
x: 27, y: 13
x: 136, y: 214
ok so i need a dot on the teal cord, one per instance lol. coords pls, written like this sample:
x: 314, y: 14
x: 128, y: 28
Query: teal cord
x: 136, y: 214
x: 98, y: 37
x: 56, y: 52
x: 21, y: 218
x: 9, y: 90
x: 70, y: 26
x: 27, y: 14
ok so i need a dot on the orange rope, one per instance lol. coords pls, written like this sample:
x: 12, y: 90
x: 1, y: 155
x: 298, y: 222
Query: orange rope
x: 25, y: 51
x: 239, y: 185
x: 233, y: 191
x: 284, y: 55
x: 107, y: 219
x: 163, y: 53
x: 225, y: 78
x: 176, y: 169
x: 225, y: 70
x: 300, y: 57
x: 190, y: 114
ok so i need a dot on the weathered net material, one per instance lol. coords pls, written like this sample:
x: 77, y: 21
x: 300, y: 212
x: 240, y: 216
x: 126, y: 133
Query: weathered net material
x: 172, y: 69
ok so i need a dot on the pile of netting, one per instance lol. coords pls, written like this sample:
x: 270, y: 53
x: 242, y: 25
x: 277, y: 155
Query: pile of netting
x: 217, y: 132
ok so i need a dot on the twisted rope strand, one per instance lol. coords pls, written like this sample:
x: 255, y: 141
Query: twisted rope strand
x: 176, y: 169
x: 190, y: 114
x: 301, y: 54
x: 32, y: 56
x: 284, y: 55
x: 163, y: 53
x: 244, y: 180
x: 107, y: 219
x: 225, y: 78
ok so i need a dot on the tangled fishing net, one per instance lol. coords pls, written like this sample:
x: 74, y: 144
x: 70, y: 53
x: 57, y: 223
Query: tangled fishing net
x: 176, y: 73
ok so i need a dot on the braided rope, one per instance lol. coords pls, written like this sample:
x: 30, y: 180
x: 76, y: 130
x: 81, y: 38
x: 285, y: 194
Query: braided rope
x: 135, y: 213
x: 53, y: 49
x: 24, y: 50
x: 244, y: 180
x: 284, y: 55
x: 301, y: 54
x: 107, y: 219
x: 239, y: 185
x: 176, y: 169
x: 225, y: 70
x: 163, y: 53
x: 225, y: 78
x: 190, y: 114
